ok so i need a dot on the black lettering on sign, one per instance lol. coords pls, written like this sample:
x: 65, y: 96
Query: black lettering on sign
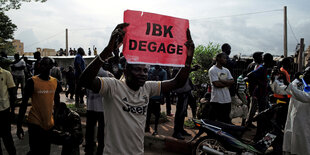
x: 148, y: 28
x: 168, y: 31
x: 157, y: 30
x: 161, y: 48
x: 171, y: 48
x: 132, y: 44
x: 142, y: 45
x: 179, y: 50
x: 152, y: 48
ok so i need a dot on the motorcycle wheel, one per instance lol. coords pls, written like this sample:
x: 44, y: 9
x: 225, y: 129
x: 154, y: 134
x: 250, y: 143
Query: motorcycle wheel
x: 209, y: 142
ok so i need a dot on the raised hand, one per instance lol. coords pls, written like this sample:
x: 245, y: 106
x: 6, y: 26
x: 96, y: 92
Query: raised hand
x: 189, y: 44
x: 117, y: 36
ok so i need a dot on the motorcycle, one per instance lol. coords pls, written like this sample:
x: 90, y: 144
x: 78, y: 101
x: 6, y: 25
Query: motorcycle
x: 225, y: 138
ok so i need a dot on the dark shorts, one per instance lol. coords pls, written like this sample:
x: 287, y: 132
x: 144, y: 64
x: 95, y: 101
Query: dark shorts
x: 220, y: 112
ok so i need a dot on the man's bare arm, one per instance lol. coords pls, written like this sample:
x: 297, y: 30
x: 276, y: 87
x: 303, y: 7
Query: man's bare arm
x: 223, y: 83
x: 219, y: 84
x: 228, y: 82
x: 180, y: 79
x: 88, y: 78
x: 23, y: 107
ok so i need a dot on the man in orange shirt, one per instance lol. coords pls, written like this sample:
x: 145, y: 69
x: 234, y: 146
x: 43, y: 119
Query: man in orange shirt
x: 285, y: 63
x: 44, y: 91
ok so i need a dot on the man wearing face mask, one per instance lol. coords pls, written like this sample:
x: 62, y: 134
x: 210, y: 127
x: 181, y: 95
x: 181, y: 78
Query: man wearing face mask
x: 296, y: 132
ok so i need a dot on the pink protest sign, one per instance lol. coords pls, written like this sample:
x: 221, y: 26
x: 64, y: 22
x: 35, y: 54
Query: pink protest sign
x: 155, y: 39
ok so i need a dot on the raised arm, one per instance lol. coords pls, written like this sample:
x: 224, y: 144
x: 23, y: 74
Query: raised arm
x: 88, y: 78
x: 299, y: 95
x: 179, y: 80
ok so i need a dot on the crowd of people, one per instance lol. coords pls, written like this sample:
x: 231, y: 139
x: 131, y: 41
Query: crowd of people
x: 121, y: 98
x: 74, y: 52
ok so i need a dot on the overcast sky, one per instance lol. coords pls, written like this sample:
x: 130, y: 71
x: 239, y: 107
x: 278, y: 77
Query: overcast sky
x: 247, y: 25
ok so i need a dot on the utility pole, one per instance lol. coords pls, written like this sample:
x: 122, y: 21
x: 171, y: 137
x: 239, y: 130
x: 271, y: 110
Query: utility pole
x: 67, y: 51
x: 300, y: 55
x: 285, y: 33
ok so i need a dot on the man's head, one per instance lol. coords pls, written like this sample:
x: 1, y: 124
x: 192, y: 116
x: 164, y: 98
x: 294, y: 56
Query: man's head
x: 70, y: 68
x: 226, y: 48
x: 157, y: 67
x: 258, y: 57
x: 286, y: 63
x: 136, y: 75
x: 268, y: 60
x: 16, y: 56
x: 37, y: 55
x: 221, y: 58
x: 46, y: 64
x: 81, y: 51
x: 60, y: 112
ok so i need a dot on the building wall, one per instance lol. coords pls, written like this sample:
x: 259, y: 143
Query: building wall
x: 19, y: 46
x: 48, y: 52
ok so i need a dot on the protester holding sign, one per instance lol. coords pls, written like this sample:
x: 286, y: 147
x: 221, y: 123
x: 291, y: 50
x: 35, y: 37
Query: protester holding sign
x: 126, y: 100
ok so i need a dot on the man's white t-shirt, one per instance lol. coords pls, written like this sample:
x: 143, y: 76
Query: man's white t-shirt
x: 125, y: 115
x: 19, y: 73
x: 219, y: 95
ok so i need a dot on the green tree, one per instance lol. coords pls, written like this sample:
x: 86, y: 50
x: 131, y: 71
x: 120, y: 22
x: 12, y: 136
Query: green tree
x: 6, y: 5
x: 7, y: 29
x: 8, y: 48
x: 203, y: 56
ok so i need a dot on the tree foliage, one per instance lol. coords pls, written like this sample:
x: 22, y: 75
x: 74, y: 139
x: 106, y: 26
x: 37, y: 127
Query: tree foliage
x: 203, y: 56
x: 8, y: 48
x: 7, y: 29
x: 6, y: 5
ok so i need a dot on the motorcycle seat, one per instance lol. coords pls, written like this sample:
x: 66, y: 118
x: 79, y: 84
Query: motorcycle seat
x: 230, y: 128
